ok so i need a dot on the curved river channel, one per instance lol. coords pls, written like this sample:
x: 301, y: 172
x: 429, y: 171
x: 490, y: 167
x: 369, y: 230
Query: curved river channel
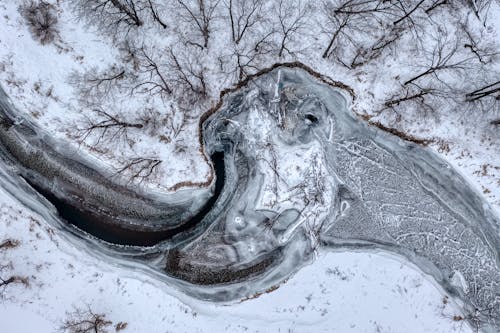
x: 294, y: 171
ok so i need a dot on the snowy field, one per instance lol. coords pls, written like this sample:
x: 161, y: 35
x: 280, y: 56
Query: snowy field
x: 338, y: 292
x: 45, y: 82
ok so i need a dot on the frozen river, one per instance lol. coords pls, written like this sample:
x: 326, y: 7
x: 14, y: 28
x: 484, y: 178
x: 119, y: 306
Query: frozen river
x: 299, y: 173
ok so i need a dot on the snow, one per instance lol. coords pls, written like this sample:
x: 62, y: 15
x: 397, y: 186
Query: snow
x: 339, y: 292
x: 18, y: 319
x: 39, y: 83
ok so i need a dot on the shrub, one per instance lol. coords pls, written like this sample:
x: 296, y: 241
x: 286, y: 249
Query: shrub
x: 41, y: 18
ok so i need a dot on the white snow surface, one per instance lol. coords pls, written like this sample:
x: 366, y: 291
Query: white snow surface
x: 37, y: 78
x: 339, y: 292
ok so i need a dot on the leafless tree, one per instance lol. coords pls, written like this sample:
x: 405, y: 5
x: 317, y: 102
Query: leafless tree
x: 139, y: 168
x: 291, y: 18
x: 115, y: 16
x: 408, y: 98
x: 169, y: 122
x: 42, y: 20
x: 187, y: 72
x: 155, y: 14
x: 407, y: 13
x: 129, y: 55
x: 5, y: 268
x: 436, y: 4
x: 145, y: 70
x: 338, y: 22
x: 430, y: 88
x: 438, y: 79
x: 85, y: 321
x: 360, y: 29
x: 243, y: 16
x: 199, y: 14
x: 148, y: 64
x: 479, y: 7
x: 443, y: 57
x: 486, y: 98
x: 248, y: 58
x: 370, y: 52
x: 490, y: 90
x: 485, y: 51
x: 96, y: 84
x: 246, y: 63
x: 106, y: 126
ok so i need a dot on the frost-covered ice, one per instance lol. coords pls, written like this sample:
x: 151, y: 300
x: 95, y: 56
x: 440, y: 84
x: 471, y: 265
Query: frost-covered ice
x: 334, y: 294
x: 340, y: 292
x: 301, y: 173
x: 379, y: 190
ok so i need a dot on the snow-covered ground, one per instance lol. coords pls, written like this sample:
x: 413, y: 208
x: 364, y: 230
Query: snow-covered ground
x: 339, y: 292
x: 40, y: 79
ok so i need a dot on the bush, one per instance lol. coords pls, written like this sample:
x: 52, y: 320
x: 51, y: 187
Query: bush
x: 84, y: 320
x: 41, y: 18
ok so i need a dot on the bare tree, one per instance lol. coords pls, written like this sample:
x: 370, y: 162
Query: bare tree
x: 479, y: 7
x: 487, y: 99
x: 95, y: 84
x: 85, y: 321
x: 187, y: 72
x: 484, y: 50
x: 243, y: 15
x: 360, y: 29
x: 112, y: 15
x: 156, y: 80
x: 139, y: 168
x: 248, y: 58
x: 106, y: 126
x: 291, y: 18
x: 5, y: 268
x: 199, y: 14
x: 246, y: 62
x: 42, y: 20
x: 153, y: 9
x: 365, y: 54
x: 408, y: 13
x: 430, y: 88
x: 407, y: 95
x: 443, y: 57
x: 490, y: 90
x: 421, y: 98
x: 339, y: 22
x: 437, y: 4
